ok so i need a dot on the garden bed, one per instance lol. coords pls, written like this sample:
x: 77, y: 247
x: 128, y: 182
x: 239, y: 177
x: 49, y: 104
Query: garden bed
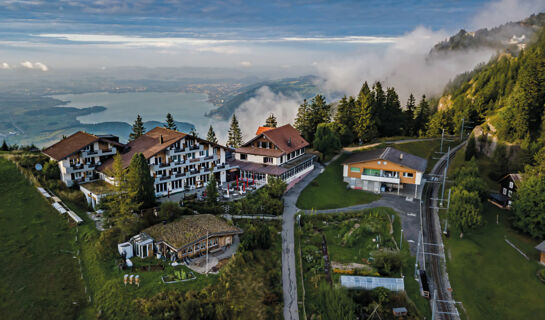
x: 178, y: 276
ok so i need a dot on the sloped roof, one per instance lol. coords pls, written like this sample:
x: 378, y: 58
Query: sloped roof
x: 286, y: 138
x: 390, y: 154
x: 541, y: 247
x: 75, y: 143
x: 260, y: 130
x: 515, y: 177
x: 189, y: 229
x: 260, y: 151
x: 149, y: 144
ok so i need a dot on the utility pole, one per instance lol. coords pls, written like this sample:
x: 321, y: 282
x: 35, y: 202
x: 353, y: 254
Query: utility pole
x: 442, y: 136
x: 462, y: 130
x: 448, y: 206
x: 401, y: 239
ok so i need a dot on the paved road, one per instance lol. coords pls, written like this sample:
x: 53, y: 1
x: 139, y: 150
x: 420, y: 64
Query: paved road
x: 367, y: 146
x: 289, y: 272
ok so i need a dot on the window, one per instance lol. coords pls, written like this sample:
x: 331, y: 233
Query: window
x: 510, y: 184
x: 385, y: 163
x: 378, y: 162
x: 243, y: 156
x: 267, y: 159
x: 504, y: 191
x: 371, y: 172
x: 407, y: 174
x: 510, y: 193
x: 354, y: 169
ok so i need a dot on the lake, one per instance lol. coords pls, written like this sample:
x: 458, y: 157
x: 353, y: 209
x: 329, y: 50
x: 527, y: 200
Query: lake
x: 184, y: 107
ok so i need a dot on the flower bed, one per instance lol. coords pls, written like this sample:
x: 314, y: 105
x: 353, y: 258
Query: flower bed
x: 178, y: 276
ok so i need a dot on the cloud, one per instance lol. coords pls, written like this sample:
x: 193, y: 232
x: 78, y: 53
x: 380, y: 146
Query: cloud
x: 245, y: 64
x: 499, y: 12
x: 254, y: 111
x: 36, y: 65
x: 4, y: 65
x: 403, y: 65
x: 346, y: 39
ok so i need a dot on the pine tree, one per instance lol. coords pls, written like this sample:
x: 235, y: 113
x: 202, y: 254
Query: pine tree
x: 319, y: 112
x: 302, y: 120
x: 170, y: 122
x: 212, y: 190
x: 421, y: 118
x: 193, y: 132
x: 140, y: 182
x: 271, y: 121
x: 211, y: 136
x: 392, y: 120
x: 365, y: 126
x: 137, y: 128
x: 121, y: 201
x: 234, y: 138
x: 410, y: 115
x: 5, y: 146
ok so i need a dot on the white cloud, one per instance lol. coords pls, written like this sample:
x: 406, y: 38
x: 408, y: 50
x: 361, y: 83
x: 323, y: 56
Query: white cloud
x: 41, y: 66
x: 499, y: 12
x: 35, y: 65
x: 27, y: 64
x: 403, y: 65
x: 347, y: 39
x: 4, y: 65
x: 245, y: 64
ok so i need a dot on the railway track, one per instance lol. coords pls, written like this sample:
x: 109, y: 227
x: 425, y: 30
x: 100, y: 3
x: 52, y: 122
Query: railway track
x: 435, y: 266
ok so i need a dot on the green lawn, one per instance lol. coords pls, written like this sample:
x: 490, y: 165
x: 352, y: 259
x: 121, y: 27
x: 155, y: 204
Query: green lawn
x: 328, y: 190
x: 490, y: 277
x: 40, y: 277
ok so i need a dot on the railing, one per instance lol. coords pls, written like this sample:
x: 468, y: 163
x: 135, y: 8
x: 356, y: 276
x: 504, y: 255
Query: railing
x: 164, y: 165
x: 209, y: 158
x: 180, y: 174
x: 194, y: 160
x: 164, y: 178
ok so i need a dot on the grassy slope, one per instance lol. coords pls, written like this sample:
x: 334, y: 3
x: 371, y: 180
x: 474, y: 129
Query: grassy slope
x: 40, y: 278
x: 425, y: 149
x: 484, y: 270
x: 329, y: 191
x: 490, y: 277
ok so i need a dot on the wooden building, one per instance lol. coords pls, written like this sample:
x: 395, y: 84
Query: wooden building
x: 378, y: 169
x: 508, y: 188
x: 191, y: 236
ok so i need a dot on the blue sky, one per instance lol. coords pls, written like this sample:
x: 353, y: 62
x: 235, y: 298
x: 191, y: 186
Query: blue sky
x: 232, y: 33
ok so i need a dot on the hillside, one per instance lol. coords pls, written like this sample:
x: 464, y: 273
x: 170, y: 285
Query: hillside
x: 507, y: 94
x: 510, y: 37
x: 302, y: 86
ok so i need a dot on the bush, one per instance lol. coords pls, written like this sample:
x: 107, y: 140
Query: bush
x: 387, y: 261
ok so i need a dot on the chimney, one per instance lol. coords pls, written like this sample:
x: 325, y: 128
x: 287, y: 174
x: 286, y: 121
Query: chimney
x: 161, y: 139
x: 289, y: 141
x: 401, y: 156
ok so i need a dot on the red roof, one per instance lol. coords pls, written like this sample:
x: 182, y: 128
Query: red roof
x: 285, y: 138
x: 260, y: 130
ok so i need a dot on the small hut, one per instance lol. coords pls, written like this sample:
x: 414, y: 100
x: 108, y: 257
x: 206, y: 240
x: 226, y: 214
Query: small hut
x: 541, y: 248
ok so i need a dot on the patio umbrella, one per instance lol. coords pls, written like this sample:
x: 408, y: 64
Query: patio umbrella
x: 237, y: 182
x: 253, y: 180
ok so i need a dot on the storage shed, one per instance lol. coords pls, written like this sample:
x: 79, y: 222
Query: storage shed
x: 370, y: 283
x: 541, y: 248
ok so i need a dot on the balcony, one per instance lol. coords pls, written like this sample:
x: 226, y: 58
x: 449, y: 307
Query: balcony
x: 164, y: 165
x: 180, y: 175
x: 176, y: 151
x: 387, y: 178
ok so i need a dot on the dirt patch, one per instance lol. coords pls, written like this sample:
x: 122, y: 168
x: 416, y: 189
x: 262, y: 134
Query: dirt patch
x: 220, y: 264
x: 348, y: 266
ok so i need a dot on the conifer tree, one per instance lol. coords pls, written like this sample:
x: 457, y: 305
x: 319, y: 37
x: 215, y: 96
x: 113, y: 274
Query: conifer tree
x: 193, y: 132
x: 212, y: 190
x: 234, y: 138
x: 211, y: 136
x: 365, y: 126
x: 302, y: 120
x: 140, y: 182
x: 421, y: 118
x: 137, y: 128
x: 271, y: 121
x: 121, y: 201
x: 5, y: 146
x: 409, y: 115
x: 170, y: 122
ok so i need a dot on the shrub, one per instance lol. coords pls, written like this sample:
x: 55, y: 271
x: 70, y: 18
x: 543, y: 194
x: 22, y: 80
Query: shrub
x: 387, y: 261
